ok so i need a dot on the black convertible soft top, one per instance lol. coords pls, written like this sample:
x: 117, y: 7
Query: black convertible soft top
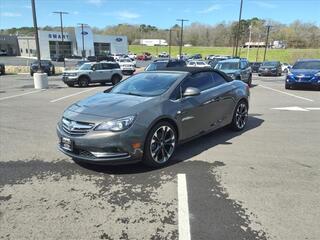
x: 194, y: 70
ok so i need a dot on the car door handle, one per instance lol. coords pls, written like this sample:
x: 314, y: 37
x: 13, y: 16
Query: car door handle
x: 217, y: 99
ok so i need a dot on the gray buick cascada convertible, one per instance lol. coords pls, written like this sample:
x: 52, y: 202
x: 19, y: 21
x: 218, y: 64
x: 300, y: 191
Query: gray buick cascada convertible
x: 145, y: 117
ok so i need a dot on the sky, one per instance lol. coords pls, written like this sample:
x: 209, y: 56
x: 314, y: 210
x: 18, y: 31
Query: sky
x: 159, y: 13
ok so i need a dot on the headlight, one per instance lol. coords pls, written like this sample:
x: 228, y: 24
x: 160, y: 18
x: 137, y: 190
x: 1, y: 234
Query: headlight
x: 317, y: 74
x: 273, y: 69
x: 117, y: 125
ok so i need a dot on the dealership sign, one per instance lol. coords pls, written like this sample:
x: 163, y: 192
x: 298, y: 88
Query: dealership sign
x: 57, y: 36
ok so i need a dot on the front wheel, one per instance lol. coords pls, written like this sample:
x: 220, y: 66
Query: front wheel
x: 115, y: 79
x: 160, y: 145
x: 240, y: 116
x: 83, y: 82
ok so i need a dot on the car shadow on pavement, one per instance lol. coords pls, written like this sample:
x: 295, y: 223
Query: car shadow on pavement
x: 184, y: 151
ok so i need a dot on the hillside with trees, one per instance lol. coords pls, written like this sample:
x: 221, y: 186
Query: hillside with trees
x: 297, y: 34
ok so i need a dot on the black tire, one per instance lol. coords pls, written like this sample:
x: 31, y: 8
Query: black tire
x: 166, y: 144
x: 240, y: 116
x: 250, y: 81
x: 31, y: 74
x: 287, y: 86
x: 115, y: 79
x: 259, y: 74
x: 70, y: 84
x: 83, y: 81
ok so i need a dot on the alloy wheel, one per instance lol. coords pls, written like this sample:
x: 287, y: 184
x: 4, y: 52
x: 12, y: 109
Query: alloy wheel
x: 241, y: 115
x: 162, y: 144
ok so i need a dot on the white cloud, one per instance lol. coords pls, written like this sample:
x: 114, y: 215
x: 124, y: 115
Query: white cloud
x: 27, y: 6
x: 10, y: 14
x: 95, y: 2
x: 75, y: 13
x: 264, y: 4
x: 210, y: 8
x: 126, y: 15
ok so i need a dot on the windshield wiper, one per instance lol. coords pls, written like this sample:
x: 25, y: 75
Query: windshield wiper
x: 131, y: 93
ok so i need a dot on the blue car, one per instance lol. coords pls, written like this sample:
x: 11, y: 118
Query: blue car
x: 304, y: 73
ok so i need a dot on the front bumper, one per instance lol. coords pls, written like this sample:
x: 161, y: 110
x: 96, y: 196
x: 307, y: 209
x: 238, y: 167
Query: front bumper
x: 303, y: 83
x: 103, y: 147
x: 70, y: 79
x: 268, y: 72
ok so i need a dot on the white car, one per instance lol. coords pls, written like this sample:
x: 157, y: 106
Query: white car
x: 285, y: 67
x: 132, y: 56
x: 197, y: 64
x: 127, y: 65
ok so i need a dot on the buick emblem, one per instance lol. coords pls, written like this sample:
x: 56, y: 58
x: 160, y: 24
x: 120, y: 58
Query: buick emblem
x: 71, y: 125
x: 118, y: 39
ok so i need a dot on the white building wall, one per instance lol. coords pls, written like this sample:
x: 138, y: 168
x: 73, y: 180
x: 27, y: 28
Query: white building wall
x: 118, y: 44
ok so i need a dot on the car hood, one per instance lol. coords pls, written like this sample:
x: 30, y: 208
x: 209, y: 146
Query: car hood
x: 304, y: 71
x: 111, y: 105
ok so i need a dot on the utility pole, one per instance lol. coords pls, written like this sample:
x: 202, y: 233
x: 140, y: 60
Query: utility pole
x: 61, y: 27
x: 35, y: 25
x: 170, y: 31
x: 181, y: 35
x: 267, y: 40
x: 238, y: 32
x: 82, y: 33
x: 250, y: 32
x: 257, y: 54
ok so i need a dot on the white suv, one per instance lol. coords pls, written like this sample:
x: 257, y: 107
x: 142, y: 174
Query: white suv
x: 127, y: 65
x: 93, y: 72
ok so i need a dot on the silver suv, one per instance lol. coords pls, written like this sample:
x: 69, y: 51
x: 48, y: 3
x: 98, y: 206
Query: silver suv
x: 93, y: 72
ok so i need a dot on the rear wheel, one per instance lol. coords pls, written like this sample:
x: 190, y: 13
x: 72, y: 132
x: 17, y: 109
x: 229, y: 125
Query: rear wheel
x: 115, y: 79
x: 160, y: 145
x: 240, y: 116
x: 83, y: 81
x: 70, y: 84
x: 287, y: 86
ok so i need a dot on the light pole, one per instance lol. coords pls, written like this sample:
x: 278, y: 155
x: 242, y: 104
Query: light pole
x: 257, y: 54
x: 40, y: 79
x: 82, y: 33
x: 61, y: 27
x: 239, y: 24
x: 35, y: 25
x: 267, y: 40
x: 181, y: 35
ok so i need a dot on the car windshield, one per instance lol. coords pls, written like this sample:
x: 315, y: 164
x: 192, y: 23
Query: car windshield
x: 86, y: 66
x: 146, y: 84
x: 156, y: 66
x: 201, y: 63
x: 43, y: 62
x: 269, y: 64
x: 227, y: 65
x: 307, y: 65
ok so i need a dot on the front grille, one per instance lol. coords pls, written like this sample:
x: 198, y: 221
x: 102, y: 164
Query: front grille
x: 303, y: 79
x: 75, y: 128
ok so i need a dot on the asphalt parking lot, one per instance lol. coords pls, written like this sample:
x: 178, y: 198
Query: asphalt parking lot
x: 262, y: 183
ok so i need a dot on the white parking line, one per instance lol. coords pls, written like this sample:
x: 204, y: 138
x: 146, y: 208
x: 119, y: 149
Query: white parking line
x: 289, y: 94
x: 183, y: 208
x: 71, y: 95
x: 19, y: 95
x: 313, y: 108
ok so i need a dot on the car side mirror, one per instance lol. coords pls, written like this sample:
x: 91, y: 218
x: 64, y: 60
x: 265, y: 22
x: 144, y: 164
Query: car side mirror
x: 191, y: 91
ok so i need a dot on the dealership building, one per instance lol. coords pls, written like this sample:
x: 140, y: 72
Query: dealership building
x: 74, y: 43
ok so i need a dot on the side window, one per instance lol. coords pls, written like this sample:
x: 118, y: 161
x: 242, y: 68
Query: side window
x: 217, y: 79
x: 202, y: 81
x: 176, y: 94
x: 115, y: 65
x: 105, y: 66
x: 98, y: 66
